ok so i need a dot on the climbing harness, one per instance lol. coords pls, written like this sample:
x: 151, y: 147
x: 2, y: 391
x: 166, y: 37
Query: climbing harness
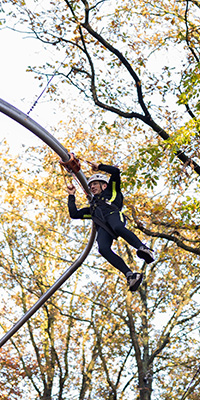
x: 103, y: 224
x: 101, y: 220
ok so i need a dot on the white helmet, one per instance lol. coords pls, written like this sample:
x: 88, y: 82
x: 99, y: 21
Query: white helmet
x: 98, y: 177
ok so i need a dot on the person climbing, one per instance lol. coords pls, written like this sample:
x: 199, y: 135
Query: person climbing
x: 105, y: 210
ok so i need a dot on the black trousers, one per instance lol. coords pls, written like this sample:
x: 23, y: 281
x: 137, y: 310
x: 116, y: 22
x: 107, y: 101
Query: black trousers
x: 105, y: 240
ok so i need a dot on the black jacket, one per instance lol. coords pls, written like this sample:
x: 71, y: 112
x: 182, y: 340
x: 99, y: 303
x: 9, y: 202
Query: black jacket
x: 109, y: 200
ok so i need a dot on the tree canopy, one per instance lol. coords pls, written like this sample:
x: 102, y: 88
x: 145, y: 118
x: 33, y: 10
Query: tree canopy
x: 109, y: 50
x: 139, y: 63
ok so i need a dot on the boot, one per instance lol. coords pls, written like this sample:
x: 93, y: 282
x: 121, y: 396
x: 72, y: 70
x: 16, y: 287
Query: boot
x: 145, y: 253
x: 134, y: 280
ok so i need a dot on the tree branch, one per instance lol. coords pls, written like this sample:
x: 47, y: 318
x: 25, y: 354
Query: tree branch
x: 187, y: 32
x: 146, y: 118
x: 169, y: 237
x: 164, y: 338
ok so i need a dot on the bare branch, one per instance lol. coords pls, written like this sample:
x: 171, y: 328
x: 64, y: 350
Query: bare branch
x: 187, y: 32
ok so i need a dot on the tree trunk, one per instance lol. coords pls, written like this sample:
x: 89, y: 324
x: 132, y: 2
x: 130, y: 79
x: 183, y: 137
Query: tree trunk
x: 145, y: 388
x: 47, y: 393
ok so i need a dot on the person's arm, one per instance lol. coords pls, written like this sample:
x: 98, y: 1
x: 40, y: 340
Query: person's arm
x: 110, y: 169
x: 115, y: 174
x: 82, y: 213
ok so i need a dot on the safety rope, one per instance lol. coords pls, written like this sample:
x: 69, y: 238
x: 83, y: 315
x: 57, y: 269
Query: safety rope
x: 86, y: 161
x: 17, y: 214
x: 48, y: 83
x: 63, y: 174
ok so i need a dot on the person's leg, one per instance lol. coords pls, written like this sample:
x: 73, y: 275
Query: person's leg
x: 118, y: 225
x: 104, y: 241
x: 114, y: 220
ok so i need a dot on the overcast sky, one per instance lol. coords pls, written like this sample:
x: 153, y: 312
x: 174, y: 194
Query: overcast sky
x: 21, y: 89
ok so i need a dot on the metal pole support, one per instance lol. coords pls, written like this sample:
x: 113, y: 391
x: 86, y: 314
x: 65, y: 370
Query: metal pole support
x: 41, y: 133
x: 55, y: 145
x: 50, y: 291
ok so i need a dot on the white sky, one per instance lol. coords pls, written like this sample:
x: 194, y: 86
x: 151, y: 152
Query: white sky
x: 21, y: 89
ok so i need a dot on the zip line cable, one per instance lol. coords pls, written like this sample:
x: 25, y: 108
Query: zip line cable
x: 35, y: 223
x: 33, y: 188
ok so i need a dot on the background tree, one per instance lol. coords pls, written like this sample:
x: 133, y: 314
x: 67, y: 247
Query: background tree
x: 93, y: 339
x: 112, y: 61
x: 117, y: 347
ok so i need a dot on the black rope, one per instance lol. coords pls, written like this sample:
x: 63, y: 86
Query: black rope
x: 41, y: 94
x: 187, y: 389
x: 48, y: 83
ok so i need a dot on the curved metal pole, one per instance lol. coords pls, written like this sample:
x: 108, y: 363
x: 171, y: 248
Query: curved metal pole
x: 50, y: 291
x: 52, y: 142
x: 41, y: 133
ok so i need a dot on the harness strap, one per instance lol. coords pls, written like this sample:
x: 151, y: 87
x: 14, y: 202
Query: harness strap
x: 100, y: 201
x: 104, y: 226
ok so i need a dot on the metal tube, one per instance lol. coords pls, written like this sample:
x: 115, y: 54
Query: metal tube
x: 41, y: 133
x: 52, y: 142
x: 50, y: 291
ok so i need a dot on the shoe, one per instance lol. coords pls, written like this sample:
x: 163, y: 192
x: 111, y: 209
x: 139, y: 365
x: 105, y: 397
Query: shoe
x: 134, y: 280
x: 145, y: 253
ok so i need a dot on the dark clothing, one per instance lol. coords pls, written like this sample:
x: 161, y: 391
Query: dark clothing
x: 106, y: 207
x: 102, y: 204
x: 105, y: 240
